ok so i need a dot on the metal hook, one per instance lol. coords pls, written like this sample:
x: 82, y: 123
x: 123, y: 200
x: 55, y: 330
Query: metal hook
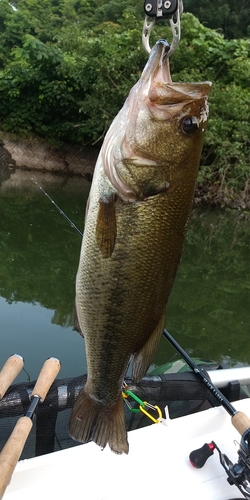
x: 175, y: 25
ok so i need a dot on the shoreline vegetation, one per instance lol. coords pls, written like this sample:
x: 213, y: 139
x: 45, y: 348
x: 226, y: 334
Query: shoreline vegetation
x: 66, y: 68
x: 74, y: 161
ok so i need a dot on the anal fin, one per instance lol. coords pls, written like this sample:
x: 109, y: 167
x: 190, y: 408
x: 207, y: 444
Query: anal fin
x: 143, y: 358
x: 106, y: 226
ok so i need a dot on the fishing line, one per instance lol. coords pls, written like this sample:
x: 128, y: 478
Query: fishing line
x: 58, y: 208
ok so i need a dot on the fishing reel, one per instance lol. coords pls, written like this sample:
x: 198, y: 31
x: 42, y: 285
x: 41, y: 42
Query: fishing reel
x: 238, y: 473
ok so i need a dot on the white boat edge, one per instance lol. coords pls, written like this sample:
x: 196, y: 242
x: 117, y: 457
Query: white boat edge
x: 157, y: 464
x: 220, y: 378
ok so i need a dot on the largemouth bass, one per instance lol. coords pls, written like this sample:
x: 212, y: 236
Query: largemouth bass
x: 139, y: 204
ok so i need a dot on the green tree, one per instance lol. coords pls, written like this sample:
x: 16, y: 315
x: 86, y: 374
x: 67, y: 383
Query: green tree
x: 54, y: 90
x: 113, y: 11
x: 69, y: 86
x: 232, y: 17
x: 44, y: 20
x: 205, y: 54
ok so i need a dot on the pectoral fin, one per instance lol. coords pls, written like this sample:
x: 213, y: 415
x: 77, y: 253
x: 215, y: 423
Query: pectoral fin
x: 143, y: 358
x: 106, y: 226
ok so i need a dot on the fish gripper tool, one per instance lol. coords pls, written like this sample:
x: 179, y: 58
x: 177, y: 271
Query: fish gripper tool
x: 170, y: 10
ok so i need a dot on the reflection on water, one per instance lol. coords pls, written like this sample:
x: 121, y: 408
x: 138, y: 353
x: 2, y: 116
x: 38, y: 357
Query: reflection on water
x: 28, y: 329
x: 208, y: 311
x: 39, y: 258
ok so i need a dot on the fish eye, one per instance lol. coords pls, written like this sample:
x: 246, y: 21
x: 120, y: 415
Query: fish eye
x: 189, y: 124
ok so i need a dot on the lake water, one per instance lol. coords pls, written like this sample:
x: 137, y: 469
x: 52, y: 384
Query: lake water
x: 208, y: 311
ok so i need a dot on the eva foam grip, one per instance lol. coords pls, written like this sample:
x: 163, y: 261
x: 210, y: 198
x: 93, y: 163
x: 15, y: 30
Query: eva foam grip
x: 9, y: 372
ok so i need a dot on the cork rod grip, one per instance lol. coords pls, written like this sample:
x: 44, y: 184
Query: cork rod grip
x: 46, y: 377
x: 9, y: 372
x: 241, y: 422
x: 12, y: 450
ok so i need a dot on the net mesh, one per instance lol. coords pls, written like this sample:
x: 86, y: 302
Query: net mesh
x: 182, y: 392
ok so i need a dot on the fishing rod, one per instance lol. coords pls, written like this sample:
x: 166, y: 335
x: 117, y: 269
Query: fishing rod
x: 239, y: 420
x: 205, y: 379
x: 58, y: 208
x: 239, y: 473
x: 12, y: 450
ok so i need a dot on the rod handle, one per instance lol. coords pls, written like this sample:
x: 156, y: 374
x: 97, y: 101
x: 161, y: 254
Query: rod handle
x: 9, y: 372
x: 46, y: 378
x: 241, y: 422
x: 12, y: 450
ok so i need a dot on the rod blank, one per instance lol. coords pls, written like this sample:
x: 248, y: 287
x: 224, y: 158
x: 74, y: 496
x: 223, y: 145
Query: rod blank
x: 240, y: 421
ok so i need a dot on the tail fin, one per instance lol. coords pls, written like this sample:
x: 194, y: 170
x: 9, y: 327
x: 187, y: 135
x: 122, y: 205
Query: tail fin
x: 103, y: 424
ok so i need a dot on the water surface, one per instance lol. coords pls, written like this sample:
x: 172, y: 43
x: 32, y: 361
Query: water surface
x: 208, y: 311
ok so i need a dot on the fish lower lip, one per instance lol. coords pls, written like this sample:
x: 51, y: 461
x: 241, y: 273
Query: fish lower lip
x: 166, y: 45
x: 163, y: 42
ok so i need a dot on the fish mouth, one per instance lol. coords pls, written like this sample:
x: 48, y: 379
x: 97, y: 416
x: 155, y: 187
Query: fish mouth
x: 157, y: 68
x: 157, y: 84
x: 163, y: 50
x: 153, y: 98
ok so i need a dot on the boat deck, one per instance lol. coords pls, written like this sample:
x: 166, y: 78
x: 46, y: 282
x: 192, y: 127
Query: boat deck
x: 157, y: 465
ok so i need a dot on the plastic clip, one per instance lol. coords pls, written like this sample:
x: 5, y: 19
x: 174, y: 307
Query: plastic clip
x: 142, y: 404
x: 156, y: 408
